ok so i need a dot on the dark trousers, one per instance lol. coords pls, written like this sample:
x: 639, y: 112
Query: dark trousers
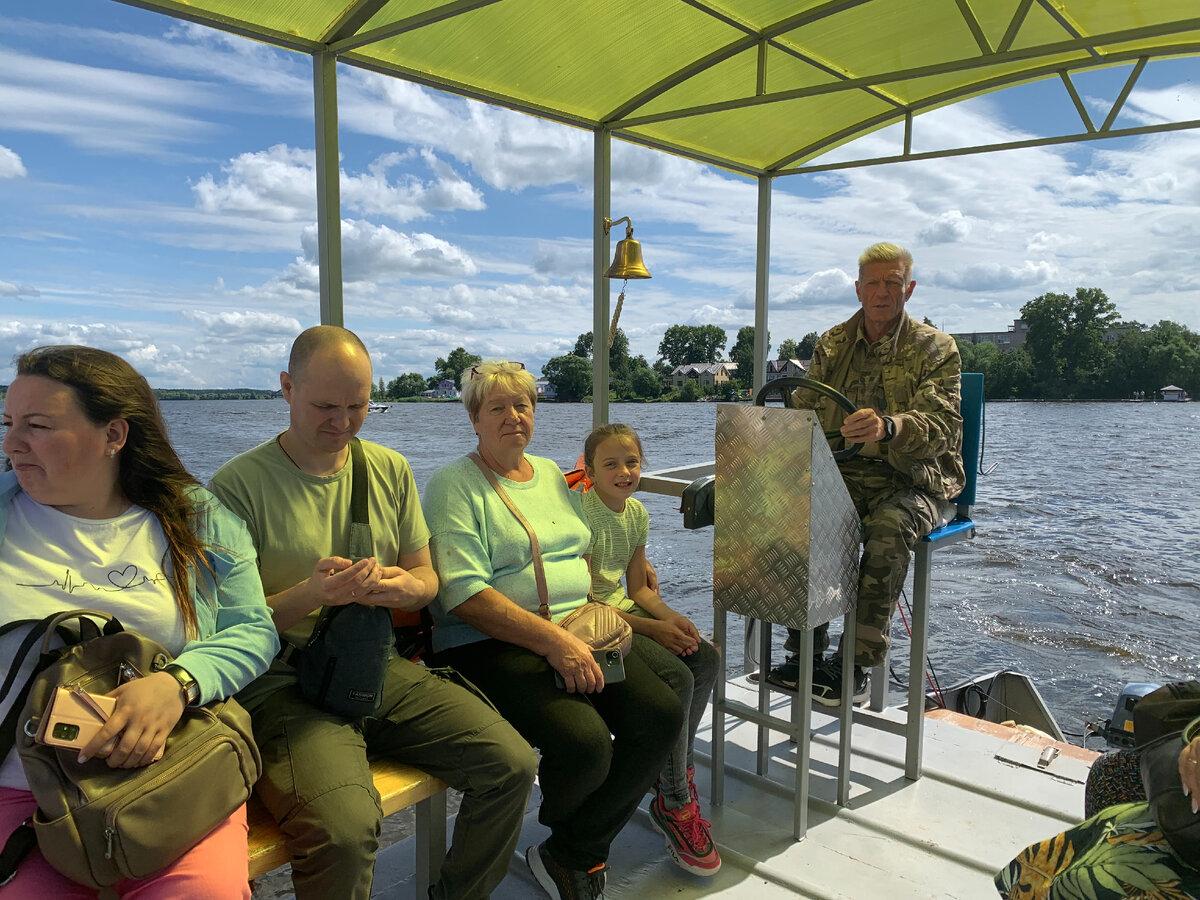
x: 600, y: 752
x: 317, y: 783
x: 895, y: 515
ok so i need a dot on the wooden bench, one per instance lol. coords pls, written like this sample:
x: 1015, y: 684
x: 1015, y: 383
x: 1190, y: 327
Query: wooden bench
x: 399, y: 787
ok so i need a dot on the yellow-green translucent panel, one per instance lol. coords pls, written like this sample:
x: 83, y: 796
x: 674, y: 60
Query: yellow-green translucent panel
x: 737, y: 78
x: 759, y: 136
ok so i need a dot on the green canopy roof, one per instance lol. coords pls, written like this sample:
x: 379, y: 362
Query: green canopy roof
x: 756, y: 86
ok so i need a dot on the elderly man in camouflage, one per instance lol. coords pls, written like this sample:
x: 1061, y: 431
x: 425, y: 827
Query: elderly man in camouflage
x: 904, y: 377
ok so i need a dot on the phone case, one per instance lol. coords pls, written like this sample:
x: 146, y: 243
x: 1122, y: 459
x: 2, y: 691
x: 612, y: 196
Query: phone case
x: 73, y: 717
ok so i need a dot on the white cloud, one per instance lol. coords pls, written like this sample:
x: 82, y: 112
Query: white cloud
x: 279, y: 184
x: 947, y: 228
x: 10, y: 164
x: 276, y: 184
x: 990, y: 277
x: 100, y: 109
x: 829, y: 286
x: 8, y: 289
x: 250, y: 325
x: 377, y: 253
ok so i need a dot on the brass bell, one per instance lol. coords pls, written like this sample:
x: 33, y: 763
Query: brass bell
x: 627, y: 260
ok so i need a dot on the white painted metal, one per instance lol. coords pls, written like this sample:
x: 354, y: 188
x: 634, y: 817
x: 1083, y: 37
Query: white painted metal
x: 942, y: 837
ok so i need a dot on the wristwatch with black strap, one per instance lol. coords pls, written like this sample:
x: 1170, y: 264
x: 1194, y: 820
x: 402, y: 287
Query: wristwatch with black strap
x: 187, y: 684
x: 889, y: 429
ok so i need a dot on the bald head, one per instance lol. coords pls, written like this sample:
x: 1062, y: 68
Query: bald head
x: 319, y: 339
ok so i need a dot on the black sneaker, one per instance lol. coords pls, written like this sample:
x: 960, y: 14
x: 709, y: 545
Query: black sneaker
x: 786, y: 675
x: 827, y: 683
x: 564, y: 884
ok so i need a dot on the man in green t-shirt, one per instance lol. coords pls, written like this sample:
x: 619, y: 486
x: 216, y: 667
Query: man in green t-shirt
x: 294, y: 494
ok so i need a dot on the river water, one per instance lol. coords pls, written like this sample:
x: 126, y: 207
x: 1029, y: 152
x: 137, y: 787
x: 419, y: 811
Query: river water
x: 1085, y: 573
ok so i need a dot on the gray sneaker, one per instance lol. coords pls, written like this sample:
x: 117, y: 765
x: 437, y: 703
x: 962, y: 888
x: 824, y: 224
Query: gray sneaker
x: 564, y: 884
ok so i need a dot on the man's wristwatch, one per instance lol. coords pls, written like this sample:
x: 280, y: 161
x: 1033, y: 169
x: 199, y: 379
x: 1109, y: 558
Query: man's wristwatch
x: 889, y: 429
x: 187, y: 684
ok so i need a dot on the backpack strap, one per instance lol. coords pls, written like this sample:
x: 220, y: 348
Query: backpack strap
x: 16, y: 848
x: 23, y: 838
x: 41, y: 631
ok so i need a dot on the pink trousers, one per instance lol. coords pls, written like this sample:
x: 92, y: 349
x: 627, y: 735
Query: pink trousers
x: 214, y: 869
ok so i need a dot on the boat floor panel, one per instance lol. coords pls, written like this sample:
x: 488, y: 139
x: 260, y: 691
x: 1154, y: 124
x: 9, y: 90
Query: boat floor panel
x: 982, y: 799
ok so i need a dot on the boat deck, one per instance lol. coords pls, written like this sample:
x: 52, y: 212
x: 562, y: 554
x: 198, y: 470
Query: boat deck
x: 982, y: 798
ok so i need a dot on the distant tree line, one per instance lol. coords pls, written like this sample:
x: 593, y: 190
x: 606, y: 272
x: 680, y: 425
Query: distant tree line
x: 1069, y: 352
x: 214, y: 394
x: 1077, y: 347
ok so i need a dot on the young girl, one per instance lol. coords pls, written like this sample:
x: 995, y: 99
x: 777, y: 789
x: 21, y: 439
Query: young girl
x: 613, y: 461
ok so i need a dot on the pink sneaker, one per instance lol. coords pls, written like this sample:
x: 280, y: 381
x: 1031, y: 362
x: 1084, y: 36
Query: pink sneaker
x: 688, y: 838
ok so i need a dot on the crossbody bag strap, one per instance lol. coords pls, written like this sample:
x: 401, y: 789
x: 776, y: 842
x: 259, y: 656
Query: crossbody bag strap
x: 539, y: 571
x: 359, y: 542
x: 360, y: 516
x: 359, y: 513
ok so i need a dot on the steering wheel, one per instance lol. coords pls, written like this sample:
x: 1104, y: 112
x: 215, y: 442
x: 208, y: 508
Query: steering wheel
x: 784, y: 387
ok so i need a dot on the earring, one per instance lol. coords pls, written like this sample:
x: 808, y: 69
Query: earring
x: 112, y: 451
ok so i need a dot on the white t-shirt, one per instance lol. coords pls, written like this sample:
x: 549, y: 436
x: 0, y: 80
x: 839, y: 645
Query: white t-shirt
x: 52, y: 562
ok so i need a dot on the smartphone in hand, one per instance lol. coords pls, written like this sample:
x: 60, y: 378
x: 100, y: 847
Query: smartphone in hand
x: 73, y: 716
x: 611, y: 663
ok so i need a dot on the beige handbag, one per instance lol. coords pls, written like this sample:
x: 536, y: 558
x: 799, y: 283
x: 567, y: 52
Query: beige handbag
x: 596, y: 624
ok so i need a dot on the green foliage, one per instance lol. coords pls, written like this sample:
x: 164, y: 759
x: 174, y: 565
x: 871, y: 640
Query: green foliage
x: 788, y: 350
x: 570, y: 375
x: 1070, y: 352
x: 1066, y: 342
x: 646, y: 382
x: 410, y: 384
x: 807, y: 345
x: 454, y: 365
x: 689, y: 392
x: 629, y: 378
x: 742, y: 353
x: 682, y: 344
x: 213, y: 394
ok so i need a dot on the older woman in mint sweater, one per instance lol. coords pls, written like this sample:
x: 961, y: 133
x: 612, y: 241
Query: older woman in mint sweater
x: 602, y: 744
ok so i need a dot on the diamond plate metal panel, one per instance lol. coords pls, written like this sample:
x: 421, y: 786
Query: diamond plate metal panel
x: 786, y: 541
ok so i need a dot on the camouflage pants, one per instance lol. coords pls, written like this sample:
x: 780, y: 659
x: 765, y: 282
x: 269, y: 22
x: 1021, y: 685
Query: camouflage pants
x: 895, y: 515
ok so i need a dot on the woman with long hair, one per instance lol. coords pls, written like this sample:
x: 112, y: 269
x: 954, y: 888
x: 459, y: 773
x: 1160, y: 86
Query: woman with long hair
x: 99, y: 512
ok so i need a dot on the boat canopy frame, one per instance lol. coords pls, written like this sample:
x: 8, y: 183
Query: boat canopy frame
x: 758, y: 87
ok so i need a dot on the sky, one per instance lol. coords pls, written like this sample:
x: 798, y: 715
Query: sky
x: 157, y: 199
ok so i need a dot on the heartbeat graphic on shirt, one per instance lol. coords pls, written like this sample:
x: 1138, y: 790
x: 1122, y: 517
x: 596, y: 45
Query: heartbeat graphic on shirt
x: 123, y: 579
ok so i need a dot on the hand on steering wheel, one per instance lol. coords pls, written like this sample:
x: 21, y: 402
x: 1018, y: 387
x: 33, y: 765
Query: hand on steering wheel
x: 785, y: 387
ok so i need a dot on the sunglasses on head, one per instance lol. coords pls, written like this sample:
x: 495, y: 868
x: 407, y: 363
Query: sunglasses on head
x: 502, y: 367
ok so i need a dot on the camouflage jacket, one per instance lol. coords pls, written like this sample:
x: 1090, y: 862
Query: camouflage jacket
x: 922, y: 386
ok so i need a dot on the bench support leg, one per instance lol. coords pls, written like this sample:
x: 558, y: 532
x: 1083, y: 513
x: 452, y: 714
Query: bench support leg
x: 916, y: 663
x: 431, y: 842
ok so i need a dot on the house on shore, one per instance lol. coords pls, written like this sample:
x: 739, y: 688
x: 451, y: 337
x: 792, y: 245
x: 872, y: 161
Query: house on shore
x: 703, y: 375
x: 785, y: 368
x: 445, y: 390
x: 1172, y: 393
x: 545, y: 390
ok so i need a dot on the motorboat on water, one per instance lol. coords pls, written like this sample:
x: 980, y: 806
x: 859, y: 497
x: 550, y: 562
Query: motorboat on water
x: 377, y: 407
